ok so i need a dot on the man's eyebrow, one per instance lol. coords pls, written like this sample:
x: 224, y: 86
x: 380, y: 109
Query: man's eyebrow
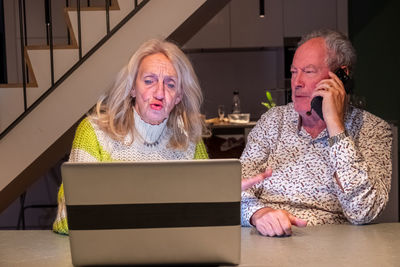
x: 310, y: 66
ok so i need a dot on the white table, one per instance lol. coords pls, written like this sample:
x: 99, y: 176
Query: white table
x: 328, y: 245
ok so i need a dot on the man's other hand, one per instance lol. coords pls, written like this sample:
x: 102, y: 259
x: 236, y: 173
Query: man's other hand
x: 249, y: 182
x: 272, y: 222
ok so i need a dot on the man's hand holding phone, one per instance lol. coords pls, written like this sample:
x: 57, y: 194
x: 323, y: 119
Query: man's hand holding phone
x: 333, y: 101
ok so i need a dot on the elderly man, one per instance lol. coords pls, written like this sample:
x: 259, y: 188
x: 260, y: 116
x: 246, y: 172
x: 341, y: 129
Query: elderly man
x: 328, y: 169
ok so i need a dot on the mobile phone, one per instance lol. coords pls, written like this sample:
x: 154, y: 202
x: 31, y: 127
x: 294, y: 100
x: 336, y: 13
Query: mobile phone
x: 316, y: 102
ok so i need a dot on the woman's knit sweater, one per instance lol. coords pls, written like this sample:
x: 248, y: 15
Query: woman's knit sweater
x: 91, y: 144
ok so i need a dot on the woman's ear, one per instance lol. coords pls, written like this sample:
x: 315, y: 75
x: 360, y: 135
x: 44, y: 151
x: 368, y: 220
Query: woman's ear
x: 133, y: 92
x: 179, y: 98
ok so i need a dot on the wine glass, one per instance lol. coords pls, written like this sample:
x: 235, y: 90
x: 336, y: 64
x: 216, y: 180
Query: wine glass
x: 221, y: 112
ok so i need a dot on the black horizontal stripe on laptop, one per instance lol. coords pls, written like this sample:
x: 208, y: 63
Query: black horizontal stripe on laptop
x: 157, y: 215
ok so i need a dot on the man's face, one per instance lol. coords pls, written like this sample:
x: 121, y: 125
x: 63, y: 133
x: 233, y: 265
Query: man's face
x: 308, y: 68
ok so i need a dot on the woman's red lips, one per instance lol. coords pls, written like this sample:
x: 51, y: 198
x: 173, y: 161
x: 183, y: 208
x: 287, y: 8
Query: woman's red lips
x: 156, y: 106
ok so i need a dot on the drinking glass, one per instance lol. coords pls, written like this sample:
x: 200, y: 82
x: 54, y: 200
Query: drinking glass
x: 221, y: 112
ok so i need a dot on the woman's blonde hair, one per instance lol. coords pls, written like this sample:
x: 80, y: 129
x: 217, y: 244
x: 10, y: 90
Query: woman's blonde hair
x: 114, y: 114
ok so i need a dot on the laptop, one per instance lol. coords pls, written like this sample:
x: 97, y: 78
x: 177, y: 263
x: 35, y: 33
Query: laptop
x: 155, y: 212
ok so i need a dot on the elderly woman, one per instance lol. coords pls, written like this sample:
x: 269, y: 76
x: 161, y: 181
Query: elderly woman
x: 151, y: 113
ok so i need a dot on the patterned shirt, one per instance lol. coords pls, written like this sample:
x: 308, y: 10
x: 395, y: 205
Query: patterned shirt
x: 304, y: 168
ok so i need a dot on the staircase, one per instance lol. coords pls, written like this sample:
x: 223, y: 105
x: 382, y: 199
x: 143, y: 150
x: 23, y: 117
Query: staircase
x: 43, y: 134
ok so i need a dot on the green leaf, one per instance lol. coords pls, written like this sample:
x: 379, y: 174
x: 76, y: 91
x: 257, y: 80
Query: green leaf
x: 270, y: 101
x: 269, y: 97
x: 267, y: 105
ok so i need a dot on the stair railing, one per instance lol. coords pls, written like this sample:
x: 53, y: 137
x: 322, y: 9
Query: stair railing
x: 49, y: 29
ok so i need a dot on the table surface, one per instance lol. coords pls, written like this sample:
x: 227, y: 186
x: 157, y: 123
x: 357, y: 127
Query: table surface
x: 327, y: 245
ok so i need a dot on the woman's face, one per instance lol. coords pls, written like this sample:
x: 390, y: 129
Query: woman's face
x: 156, y: 89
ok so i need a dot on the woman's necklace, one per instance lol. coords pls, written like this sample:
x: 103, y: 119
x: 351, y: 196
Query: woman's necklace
x: 151, y: 144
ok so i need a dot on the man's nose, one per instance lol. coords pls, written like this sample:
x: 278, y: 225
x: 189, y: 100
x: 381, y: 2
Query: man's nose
x: 298, y: 80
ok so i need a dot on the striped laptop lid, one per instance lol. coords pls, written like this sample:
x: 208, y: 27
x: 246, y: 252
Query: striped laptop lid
x: 157, y: 212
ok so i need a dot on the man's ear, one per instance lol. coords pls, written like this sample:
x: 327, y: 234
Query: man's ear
x: 346, y: 69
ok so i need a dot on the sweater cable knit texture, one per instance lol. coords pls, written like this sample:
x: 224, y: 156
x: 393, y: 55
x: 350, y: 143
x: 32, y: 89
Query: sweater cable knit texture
x: 91, y: 144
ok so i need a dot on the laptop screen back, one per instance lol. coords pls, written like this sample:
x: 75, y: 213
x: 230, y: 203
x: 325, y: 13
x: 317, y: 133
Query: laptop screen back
x: 159, y: 212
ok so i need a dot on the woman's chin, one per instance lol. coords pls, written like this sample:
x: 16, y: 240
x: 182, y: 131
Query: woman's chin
x: 153, y: 117
x: 155, y: 120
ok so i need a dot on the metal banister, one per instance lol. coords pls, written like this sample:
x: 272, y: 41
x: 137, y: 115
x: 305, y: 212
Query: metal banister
x: 82, y: 58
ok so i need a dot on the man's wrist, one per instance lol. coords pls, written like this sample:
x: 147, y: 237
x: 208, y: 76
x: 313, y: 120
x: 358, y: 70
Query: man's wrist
x: 256, y: 215
x: 335, y: 126
x: 336, y: 138
x: 253, y: 218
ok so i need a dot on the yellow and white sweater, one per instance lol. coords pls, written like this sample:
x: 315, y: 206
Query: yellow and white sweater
x: 93, y: 145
